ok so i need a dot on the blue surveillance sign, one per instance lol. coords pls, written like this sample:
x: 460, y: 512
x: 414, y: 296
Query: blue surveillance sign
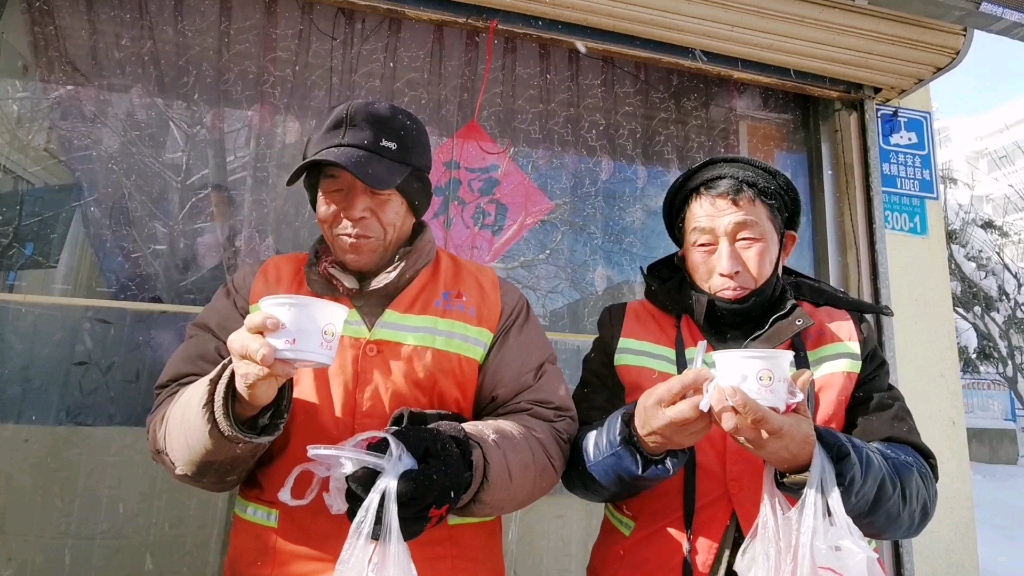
x: 907, y: 153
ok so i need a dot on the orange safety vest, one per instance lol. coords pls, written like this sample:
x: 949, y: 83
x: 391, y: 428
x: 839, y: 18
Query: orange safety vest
x: 646, y: 534
x: 425, y: 353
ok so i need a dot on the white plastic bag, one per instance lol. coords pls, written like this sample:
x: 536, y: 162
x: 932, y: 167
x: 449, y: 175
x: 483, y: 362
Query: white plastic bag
x: 815, y: 538
x: 361, y: 555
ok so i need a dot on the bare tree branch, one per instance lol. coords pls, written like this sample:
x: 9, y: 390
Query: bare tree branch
x: 986, y: 282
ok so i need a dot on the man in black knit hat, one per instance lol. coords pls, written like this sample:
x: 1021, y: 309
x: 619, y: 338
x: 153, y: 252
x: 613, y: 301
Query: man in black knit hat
x: 682, y: 486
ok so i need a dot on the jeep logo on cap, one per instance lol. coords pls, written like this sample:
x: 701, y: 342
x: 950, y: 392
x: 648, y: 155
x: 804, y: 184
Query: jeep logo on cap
x: 389, y: 144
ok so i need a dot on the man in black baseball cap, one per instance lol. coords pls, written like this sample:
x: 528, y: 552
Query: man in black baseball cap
x: 440, y: 352
x: 366, y: 171
x: 735, y: 221
x: 383, y: 145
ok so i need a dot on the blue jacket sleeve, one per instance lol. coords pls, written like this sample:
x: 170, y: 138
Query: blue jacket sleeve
x: 888, y: 489
x: 605, y: 466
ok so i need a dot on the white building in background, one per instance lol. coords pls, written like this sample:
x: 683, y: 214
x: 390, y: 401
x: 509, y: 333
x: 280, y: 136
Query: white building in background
x: 986, y: 153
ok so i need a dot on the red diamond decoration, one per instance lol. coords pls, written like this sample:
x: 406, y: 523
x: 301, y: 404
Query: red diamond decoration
x: 483, y: 203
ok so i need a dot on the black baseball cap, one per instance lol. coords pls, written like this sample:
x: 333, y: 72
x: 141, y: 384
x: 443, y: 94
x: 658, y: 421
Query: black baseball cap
x: 384, y: 145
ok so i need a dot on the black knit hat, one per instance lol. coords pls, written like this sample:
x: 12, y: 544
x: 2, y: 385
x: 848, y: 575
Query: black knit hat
x: 771, y: 185
x: 383, y: 145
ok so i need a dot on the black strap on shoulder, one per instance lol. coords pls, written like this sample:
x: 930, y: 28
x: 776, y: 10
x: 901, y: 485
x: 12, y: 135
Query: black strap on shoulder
x: 802, y: 362
x: 689, y: 507
x: 680, y: 348
x: 800, y: 353
x: 689, y: 468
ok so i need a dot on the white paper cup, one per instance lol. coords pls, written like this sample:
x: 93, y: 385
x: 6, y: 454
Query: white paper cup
x: 762, y: 374
x: 310, y: 329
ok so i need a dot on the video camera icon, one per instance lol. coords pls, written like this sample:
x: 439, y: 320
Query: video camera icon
x: 904, y: 131
x: 903, y: 137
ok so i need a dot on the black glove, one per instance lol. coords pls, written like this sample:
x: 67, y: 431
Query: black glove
x: 428, y: 493
x: 406, y: 417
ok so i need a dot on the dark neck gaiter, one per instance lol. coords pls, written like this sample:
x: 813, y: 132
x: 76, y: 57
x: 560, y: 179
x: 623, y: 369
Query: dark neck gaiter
x: 731, y: 323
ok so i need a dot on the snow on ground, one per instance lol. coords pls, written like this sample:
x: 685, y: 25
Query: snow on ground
x: 999, y: 510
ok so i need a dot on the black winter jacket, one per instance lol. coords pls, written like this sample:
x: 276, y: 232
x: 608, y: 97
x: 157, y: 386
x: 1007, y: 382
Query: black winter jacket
x: 886, y: 474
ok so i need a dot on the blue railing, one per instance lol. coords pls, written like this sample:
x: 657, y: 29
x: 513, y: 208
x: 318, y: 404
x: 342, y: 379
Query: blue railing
x: 985, y: 400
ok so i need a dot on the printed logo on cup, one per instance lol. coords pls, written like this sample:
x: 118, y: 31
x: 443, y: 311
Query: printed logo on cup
x: 765, y: 378
x: 311, y: 328
x: 329, y: 333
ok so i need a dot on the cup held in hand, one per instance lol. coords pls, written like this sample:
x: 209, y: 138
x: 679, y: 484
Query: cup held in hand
x: 763, y: 374
x: 310, y: 329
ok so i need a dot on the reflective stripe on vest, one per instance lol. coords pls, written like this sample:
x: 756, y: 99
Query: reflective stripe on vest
x: 255, y: 513
x: 431, y: 332
x: 645, y: 355
x: 456, y: 520
x: 425, y: 331
x: 355, y: 327
x: 835, y: 358
x: 642, y: 354
x: 268, y: 516
x: 829, y: 359
x: 619, y: 520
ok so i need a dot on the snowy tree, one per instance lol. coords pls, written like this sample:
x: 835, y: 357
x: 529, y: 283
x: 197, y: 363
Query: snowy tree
x: 986, y: 280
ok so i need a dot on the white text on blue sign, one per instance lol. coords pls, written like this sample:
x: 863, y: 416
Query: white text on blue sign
x: 905, y: 214
x: 906, y: 153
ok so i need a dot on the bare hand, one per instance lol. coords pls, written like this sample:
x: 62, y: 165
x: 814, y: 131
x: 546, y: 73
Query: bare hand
x: 258, y: 375
x: 668, y: 416
x: 786, y: 441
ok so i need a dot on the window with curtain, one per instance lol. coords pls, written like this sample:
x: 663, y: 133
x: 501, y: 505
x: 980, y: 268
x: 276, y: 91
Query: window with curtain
x: 157, y: 136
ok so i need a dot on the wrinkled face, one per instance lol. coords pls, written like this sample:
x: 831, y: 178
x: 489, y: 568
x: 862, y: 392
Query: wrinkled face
x: 730, y: 249
x: 364, y: 228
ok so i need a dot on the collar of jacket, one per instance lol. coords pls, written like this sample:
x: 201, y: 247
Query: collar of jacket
x: 666, y: 288
x: 387, y: 285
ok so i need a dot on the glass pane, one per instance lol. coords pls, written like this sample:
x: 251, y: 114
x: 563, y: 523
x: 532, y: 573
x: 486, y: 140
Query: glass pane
x: 144, y: 145
x: 172, y: 143
x: 143, y: 151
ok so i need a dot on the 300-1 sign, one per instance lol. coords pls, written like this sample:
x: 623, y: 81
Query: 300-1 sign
x: 903, y: 222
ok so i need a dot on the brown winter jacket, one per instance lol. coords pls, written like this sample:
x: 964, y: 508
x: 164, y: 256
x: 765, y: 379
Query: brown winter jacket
x: 524, y: 417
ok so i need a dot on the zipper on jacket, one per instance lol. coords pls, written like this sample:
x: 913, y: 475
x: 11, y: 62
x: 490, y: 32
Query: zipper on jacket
x: 769, y: 325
